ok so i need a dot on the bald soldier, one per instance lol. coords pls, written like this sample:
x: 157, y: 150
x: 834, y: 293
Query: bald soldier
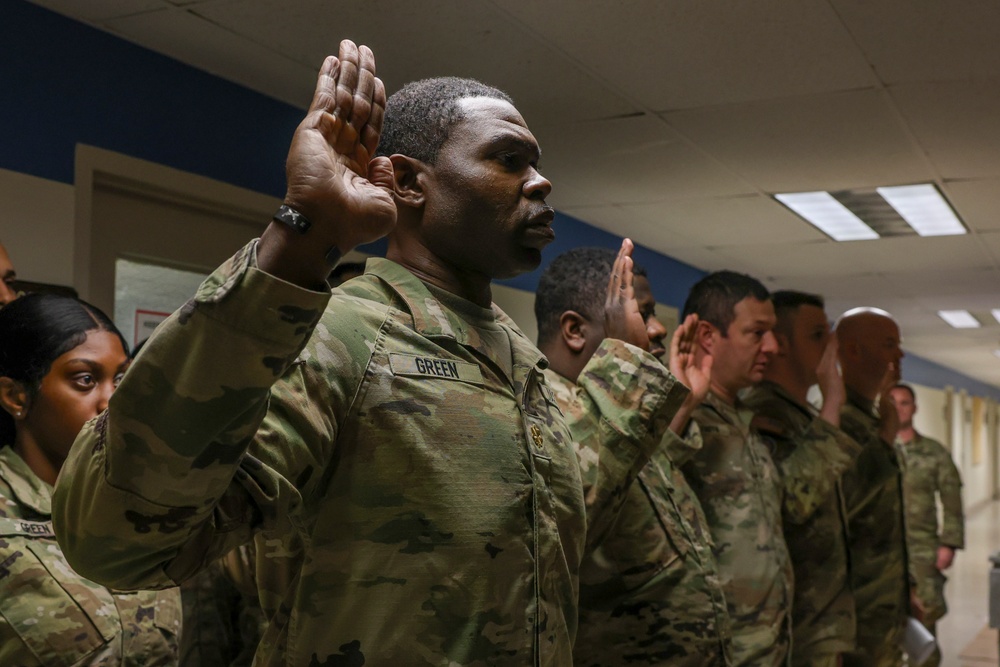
x: 650, y: 593
x: 869, y: 358
x: 393, y: 447
x: 8, y: 278
x: 745, y: 492
x: 929, y: 477
x: 823, y: 623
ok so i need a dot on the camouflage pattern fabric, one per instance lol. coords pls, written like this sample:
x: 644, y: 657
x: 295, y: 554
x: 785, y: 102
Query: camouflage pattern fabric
x: 823, y: 621
x: 873, y: 497
x: 930, y: 474
x: 413, y: 503
x: 650, y: 593
x: 745, y: 496
x: 223, y: 619
x: 52, y: 617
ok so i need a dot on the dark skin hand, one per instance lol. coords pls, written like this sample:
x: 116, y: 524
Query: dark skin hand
x: 332, y: 179
x: 622, y: 317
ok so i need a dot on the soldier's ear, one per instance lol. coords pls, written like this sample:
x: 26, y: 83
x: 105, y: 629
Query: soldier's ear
x: 409, y: 180
x: 13, y: 398
x: 705, y: 336
x: 573, y: 330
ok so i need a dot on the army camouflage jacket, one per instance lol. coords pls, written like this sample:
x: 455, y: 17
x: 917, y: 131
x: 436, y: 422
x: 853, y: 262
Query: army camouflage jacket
x: 873, y: 497
x: 52, y: 617
x: 929, y: 471
x: 746, y: 497
x: 650, y: 593
x: 417, y: 485
x: 823, y: 620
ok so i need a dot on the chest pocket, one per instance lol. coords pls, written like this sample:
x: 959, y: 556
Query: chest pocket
x: 151, y: 624
x: 59, y: 616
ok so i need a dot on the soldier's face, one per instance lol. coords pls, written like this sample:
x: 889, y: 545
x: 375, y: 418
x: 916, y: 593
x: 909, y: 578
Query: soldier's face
x: 905, y: 406
x: 485, y: 210
x: 880, y: 346
x: 740, y: 358
x: 647, y: 306
x: 7, y: 278
x: 75, y: 390
x: 809, y: 336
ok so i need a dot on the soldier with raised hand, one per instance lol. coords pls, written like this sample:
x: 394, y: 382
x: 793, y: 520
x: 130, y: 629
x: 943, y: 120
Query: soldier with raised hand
x: 650, y: 593
x: 869, y: 359
x: 745, y: 492
x: 823, y: 623
x: 929, y: 476
x: 393, y: 448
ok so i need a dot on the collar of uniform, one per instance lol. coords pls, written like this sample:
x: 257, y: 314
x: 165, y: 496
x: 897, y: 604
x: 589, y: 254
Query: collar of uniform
x: 28, y: 489
x: 779, y: 391
x: 431, y: 318
x: 860, y: 402
x: 734, y: 414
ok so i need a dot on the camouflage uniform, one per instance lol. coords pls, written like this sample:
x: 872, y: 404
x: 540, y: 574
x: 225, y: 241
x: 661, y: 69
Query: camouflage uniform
x: 413, y: 486
x: 650, y: 593
x: 823, y: 623
x: 52, y: 617
x: 223, y: 619
x: 930, y: 472
x: 873, y: 496
x: 745, y: 496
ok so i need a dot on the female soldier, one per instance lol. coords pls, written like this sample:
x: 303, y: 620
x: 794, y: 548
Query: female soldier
x: 60, y: 360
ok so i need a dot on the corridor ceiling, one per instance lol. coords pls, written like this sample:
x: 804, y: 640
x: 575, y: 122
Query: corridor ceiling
x: 674, y: 121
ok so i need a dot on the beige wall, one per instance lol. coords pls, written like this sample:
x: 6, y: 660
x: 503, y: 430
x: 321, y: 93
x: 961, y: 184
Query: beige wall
x: 36, y: 227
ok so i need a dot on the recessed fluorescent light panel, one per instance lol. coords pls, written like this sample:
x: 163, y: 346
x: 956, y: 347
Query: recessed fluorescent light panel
x: 924, y: 209
x: 828, y: 215
x: 996, y: 353
x: 855, y: 215
x: 996, y: 314
x: 960, y: 319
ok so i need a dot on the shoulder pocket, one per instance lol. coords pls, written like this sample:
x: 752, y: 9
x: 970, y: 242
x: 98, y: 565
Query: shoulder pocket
x: 59, y: 616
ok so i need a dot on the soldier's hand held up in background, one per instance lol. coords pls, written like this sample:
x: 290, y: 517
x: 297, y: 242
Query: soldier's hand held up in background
x: 888, y: 418
x: 831, y: 383
x: 685, y: 367
x: 622, y: 318
x: 333, y: 181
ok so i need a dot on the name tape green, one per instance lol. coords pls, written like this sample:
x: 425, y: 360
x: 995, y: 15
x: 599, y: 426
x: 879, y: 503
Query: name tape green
x: 9, y: 527
x: 412, y: 365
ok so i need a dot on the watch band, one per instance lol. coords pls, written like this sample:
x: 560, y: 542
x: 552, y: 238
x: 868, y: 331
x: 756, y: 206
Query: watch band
x: 289, y: 216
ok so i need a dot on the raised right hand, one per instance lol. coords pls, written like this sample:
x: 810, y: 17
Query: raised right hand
x: 332, y: 179
x: 888, y: 418
x: 622, y: 318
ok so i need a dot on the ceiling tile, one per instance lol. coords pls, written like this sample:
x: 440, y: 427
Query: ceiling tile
x: 629, y: 160
x: 671, y: 55
x: 956, y: 123
x: 925, y: 41
x: 95, y: 11
x: 415, y: 40
x: 824, y: 142
x: 977, y: 202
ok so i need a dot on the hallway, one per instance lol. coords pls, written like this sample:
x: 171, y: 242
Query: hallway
x: 968, y: 593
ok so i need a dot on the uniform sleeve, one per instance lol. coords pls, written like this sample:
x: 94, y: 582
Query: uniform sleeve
x: 162, y: 483
x: 949, y: 486
x: 811, y: 468
x: 632, y: 397
x: 680, y: 449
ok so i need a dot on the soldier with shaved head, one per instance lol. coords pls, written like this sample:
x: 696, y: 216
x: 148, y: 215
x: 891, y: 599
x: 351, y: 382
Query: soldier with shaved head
x: 870, y: 355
